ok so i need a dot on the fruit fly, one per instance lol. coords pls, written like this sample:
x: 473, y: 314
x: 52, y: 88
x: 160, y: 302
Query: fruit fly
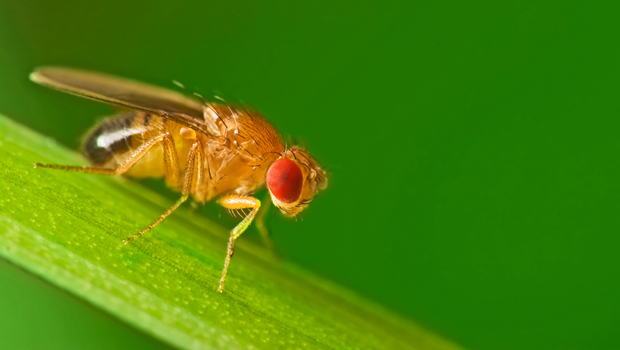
x: 205, y: 150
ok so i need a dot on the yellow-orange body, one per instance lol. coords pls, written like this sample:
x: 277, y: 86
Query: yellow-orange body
x: 236, y: 160
x: 204, y: 150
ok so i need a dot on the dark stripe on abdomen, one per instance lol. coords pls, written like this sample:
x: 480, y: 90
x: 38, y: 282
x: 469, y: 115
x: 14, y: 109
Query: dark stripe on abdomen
x: 110, y: 137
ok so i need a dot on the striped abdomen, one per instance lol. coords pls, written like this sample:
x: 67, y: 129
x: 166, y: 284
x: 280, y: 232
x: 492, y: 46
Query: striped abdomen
x: 116, y: 140
x: 111, y: 138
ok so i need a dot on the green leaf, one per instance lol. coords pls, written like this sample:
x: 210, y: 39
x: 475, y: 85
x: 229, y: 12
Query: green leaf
x: 68, y: 228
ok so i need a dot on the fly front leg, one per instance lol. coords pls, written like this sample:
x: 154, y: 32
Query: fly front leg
x: 194, y: 165
x: 237, y: 202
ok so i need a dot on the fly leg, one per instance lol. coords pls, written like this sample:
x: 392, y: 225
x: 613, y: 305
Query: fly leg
x: 171, y: 164
x: 260, y: 222
x: 237, y: 202
x: 196, y: 155
x: 170, y: 159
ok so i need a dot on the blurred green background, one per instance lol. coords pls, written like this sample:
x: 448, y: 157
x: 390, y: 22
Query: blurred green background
x: 473, y: 150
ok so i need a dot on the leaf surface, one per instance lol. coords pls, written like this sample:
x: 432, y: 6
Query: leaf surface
x: 68, y: 228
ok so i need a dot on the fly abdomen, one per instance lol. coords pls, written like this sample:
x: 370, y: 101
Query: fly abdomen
x: 114, y: 137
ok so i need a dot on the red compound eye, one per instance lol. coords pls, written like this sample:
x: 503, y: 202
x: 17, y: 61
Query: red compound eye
x: 285, y: 180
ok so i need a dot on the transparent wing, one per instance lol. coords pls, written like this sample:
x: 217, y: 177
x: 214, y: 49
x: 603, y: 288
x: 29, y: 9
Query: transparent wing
x: 124, y: 93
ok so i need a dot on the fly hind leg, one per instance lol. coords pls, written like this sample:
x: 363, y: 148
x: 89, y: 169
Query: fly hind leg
x: 172, y: 169
x: 170, y: 160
